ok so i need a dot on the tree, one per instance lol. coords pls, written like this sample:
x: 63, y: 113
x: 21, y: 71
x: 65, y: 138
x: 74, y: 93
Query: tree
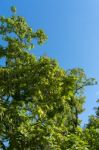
x: 77, y: 99
x: 92, y: 130
x: 39, y: 101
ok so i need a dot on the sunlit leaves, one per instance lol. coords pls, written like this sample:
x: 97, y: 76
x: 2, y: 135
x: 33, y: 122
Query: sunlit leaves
x: 16, y: 28
x: 39, y: 101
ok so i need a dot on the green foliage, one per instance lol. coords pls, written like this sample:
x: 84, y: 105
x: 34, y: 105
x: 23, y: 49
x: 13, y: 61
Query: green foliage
x: 39, y: 101
x: 92, y: 131
x: 13, y: 9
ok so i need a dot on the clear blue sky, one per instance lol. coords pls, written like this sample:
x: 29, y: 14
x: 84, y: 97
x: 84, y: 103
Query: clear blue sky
x: 72, y: 27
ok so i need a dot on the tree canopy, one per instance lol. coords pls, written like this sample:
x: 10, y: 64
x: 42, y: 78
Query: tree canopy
x: 40, y: 102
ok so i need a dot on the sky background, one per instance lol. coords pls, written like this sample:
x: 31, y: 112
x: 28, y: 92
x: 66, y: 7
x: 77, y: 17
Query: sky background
x: 72, y: 27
